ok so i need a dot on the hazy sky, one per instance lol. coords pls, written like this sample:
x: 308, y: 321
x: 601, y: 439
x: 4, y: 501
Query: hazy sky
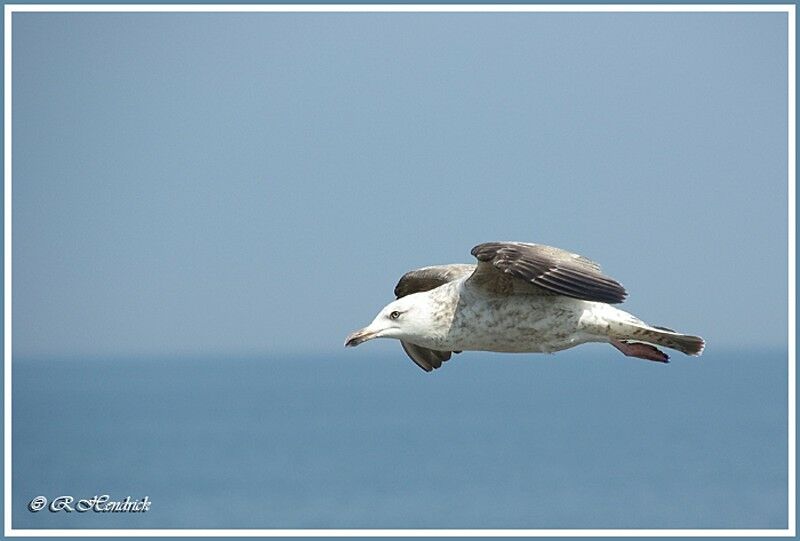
x: 248, y: 183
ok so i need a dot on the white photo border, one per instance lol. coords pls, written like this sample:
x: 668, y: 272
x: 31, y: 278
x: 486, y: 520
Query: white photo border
x: 10, y: 9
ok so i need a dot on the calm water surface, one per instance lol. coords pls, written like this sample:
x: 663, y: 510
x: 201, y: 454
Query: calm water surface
x: 582, y: 439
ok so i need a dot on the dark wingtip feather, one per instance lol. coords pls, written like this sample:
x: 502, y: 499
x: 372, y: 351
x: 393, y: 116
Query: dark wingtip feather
x: 553, y: 269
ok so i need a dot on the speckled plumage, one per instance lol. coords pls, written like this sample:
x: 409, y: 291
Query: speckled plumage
x: 518, y: 298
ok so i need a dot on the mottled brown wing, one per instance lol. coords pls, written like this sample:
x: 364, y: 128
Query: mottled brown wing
x: 552, y: 269
x: 425, y: 279
x: 428, y: 278
x: 427, y: 359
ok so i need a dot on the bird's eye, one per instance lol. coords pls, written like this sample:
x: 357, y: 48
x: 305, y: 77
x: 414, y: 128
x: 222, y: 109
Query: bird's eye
x: 394, y: 315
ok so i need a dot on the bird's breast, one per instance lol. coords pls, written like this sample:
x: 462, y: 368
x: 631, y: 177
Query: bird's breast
x: 516, y: 323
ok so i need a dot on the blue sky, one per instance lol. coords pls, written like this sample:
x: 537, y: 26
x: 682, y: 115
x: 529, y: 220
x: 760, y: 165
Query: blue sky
x: 250, y: 183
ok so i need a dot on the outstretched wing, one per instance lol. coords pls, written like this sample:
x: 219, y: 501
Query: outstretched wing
x: 425, y: 279
x: 427, y: 359
x: 504, y: 265
x: 428, y: 278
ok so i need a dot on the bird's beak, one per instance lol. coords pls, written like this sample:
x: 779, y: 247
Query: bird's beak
x: 360, y: 336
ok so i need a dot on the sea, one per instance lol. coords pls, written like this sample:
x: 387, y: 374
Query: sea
x: 585, y: 438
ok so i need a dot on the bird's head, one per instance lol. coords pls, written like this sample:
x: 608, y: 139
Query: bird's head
x: 402, y: 319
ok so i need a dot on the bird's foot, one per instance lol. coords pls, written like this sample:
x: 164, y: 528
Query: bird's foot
x: 640, y: 350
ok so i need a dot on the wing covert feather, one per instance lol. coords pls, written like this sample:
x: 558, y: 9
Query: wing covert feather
x: 428, y: 278
x: 552, y: 269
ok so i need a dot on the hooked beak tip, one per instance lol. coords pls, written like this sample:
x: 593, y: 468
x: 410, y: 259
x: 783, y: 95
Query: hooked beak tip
x: 358, y: 337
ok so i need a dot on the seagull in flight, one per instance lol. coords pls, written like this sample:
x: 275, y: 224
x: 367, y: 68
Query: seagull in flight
x: 518, y: 298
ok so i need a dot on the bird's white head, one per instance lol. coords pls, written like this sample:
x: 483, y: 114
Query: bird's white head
x: 404, y: 319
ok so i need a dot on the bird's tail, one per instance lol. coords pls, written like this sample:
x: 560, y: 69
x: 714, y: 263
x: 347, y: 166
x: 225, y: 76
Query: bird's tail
x: 634, y: 337
x: 662, y: 336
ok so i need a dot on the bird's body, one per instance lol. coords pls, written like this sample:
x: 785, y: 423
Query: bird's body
x: 519, y: 324
x: 519, y: 298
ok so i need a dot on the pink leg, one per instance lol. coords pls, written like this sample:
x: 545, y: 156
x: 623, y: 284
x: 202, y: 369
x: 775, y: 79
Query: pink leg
x: 641, y: 351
